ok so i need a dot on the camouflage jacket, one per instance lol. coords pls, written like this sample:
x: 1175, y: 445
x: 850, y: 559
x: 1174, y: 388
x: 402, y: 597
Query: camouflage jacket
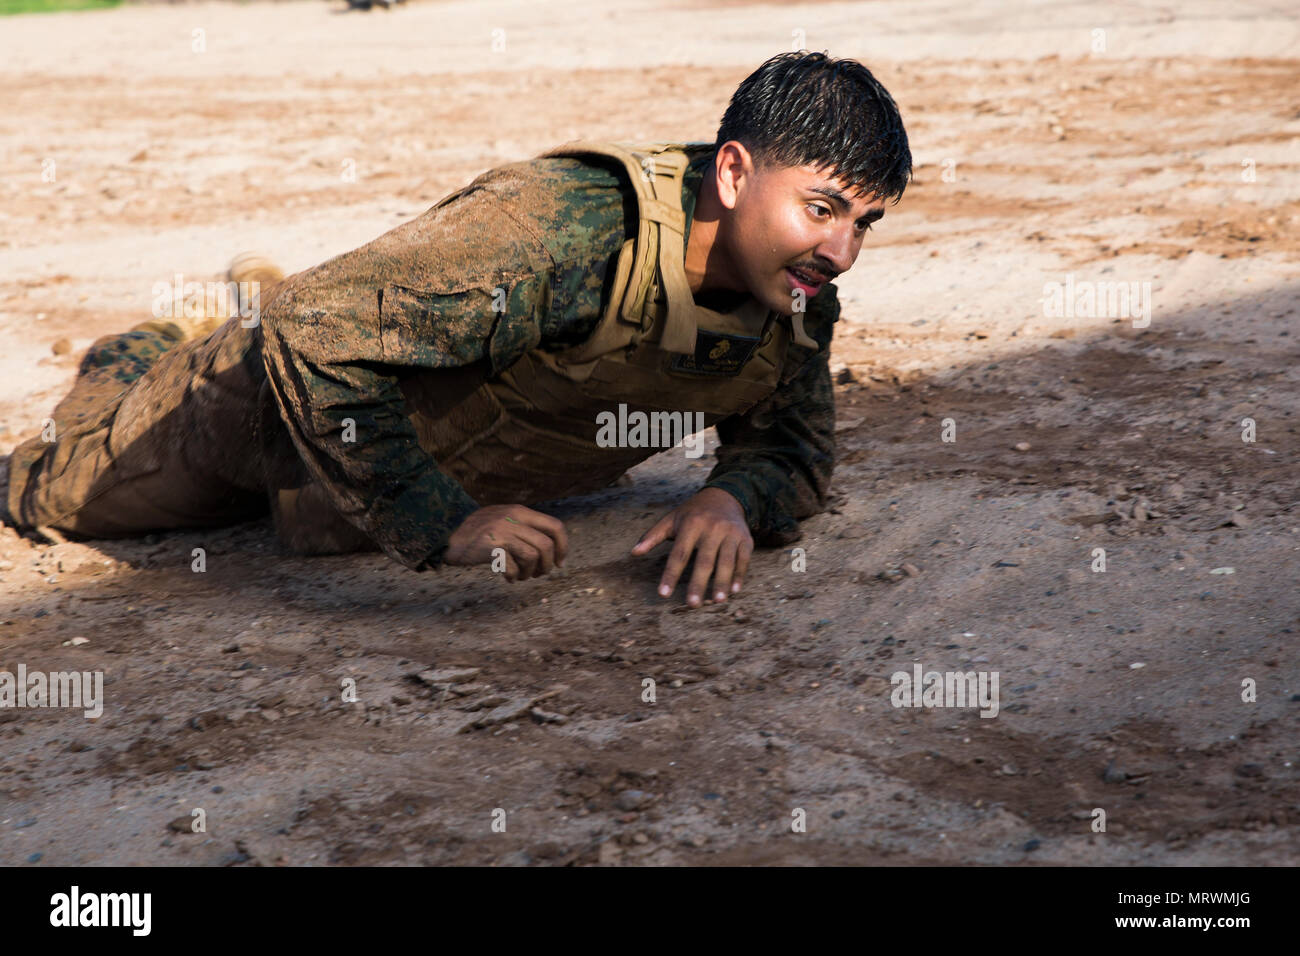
x: 510, y: 274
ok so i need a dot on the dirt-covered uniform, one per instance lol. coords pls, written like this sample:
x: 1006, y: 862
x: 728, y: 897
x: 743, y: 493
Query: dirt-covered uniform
x: 456, y: 361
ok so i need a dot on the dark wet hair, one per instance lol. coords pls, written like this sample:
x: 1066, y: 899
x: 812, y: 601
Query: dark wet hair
x: 806, y: 108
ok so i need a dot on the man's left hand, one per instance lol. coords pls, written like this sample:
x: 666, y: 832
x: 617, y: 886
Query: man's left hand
x: 711, y: 523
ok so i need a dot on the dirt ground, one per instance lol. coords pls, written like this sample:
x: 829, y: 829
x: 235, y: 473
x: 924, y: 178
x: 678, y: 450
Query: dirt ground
x: 1170, y: 157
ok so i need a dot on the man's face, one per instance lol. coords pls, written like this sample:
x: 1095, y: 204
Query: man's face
x: 791, y: 228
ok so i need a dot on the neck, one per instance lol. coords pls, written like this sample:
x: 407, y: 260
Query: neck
x: 708, y: 264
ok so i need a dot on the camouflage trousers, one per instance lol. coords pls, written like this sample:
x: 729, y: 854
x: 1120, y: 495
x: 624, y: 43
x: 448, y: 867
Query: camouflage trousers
x: 160, y: 433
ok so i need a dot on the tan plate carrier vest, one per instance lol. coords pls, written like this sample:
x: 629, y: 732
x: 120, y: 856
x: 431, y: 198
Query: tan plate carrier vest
x: 529, y: 434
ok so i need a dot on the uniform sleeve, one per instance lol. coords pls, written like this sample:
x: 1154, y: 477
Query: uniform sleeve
x: 455, y: 288
x: 777, y: 458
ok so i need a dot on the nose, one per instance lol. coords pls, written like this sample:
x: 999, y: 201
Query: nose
x: 839, y: 249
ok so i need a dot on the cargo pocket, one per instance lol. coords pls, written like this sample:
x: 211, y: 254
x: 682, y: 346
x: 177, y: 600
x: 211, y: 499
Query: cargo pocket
x: 458, y: 325
x: 447, y: 328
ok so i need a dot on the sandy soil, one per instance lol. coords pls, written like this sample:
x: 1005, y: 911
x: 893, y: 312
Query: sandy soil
x: 1120, y: 690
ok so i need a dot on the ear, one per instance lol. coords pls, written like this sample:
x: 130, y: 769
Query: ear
x: 735, y: 169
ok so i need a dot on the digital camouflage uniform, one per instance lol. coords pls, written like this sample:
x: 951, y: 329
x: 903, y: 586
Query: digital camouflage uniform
x: 457, y: 361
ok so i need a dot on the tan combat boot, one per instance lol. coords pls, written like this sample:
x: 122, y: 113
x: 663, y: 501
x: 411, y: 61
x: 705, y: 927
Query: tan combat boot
x: 250, y: 274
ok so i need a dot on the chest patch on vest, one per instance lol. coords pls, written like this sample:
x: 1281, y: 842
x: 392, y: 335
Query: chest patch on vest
x: 716, y: 353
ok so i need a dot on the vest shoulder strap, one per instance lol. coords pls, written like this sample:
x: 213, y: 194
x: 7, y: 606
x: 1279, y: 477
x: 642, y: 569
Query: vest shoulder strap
x: 655, y: 171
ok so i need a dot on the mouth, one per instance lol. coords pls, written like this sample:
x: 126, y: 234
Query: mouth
x: 806, y: 280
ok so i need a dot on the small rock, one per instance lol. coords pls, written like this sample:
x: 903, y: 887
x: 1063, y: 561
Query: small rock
x: 633, y: 800
x: 455, y: 675
x: 512, y: 710
x: 249, y: 641
x: 1032, y: 845
x: 182, y: 825
x: 1250, y: 770
x: 1113, y: 774
x: 492, y: 700
x: 911, y: 570
x: 1022, y: 446
x: 1224, y: 571
x: 61, y: 346
x: 608, y: 853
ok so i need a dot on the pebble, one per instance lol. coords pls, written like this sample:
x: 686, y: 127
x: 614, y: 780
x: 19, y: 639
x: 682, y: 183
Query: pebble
x: 1113, y: 774
x: 547, y: 717
x: 61, y: 346
x: 608, y: 853
x: 507, y: 712
x: 1224, y: 571
x: 634, y: 800
x: 1022, y: 446
x: 454, y: 675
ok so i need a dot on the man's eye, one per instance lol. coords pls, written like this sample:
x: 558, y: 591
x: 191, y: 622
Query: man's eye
x: 867, y: 228
x: 819, y: 209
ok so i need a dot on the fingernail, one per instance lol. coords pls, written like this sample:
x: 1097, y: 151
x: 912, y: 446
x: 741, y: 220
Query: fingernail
x: 664, y: 590
x: 720, y: 596
x: 735, y: 587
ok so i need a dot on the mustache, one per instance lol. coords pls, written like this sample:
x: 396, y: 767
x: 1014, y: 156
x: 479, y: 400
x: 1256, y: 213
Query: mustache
x: 815, y: 269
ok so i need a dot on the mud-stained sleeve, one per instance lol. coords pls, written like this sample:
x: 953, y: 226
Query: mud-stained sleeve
x: 777, y: 458
x: 448, y: 289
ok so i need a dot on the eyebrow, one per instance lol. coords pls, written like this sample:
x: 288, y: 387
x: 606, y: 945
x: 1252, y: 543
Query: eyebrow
x: 833, y: 194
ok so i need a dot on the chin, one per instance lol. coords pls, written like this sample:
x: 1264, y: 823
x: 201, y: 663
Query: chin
x: 782, y: 304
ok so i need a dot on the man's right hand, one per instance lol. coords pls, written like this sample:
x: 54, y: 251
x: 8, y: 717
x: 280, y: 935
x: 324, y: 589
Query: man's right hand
x: 534, y: 543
